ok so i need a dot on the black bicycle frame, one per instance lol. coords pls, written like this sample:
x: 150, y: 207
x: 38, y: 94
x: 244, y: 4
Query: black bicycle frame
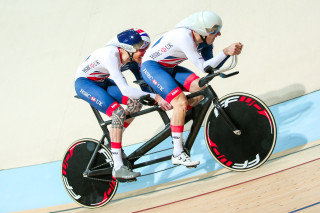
x: 196, y: 114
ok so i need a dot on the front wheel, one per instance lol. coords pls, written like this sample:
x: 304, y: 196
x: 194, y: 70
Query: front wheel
x: 94, y: 191
x: 256, y: 142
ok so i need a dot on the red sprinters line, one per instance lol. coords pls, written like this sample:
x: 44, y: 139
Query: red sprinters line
x: 177, y: 201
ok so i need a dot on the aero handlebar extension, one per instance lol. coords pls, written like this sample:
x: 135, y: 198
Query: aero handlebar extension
x: 219, y: 72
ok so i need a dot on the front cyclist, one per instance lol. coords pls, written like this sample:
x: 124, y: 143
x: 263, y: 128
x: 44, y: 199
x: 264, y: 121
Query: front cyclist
x: 93, y: 84
x: 160, y: 68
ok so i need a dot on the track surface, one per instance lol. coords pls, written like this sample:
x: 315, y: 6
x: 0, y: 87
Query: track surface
x: 288, y: 182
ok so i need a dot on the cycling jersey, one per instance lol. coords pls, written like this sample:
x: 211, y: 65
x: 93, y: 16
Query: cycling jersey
x: 104, y: 63
x: 176, y: 46
x: 92, y: 82
x: 160, y: 68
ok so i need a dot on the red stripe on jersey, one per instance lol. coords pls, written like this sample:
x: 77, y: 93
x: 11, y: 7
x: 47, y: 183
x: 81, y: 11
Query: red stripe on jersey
x: 112, y: 108
x: 167, y: 65
x: 194, y: 39
x: 175, y: 59
x: 98, y: 73
x: 115, y: 145
x: 120, y: 55
x: 189, y: 80
x: 176, y: 128
x: 174, y: 93
x: 96, y: 79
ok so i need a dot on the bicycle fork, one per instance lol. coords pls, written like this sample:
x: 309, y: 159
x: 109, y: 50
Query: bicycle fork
x: 221, y: 111
x: 226, y: 118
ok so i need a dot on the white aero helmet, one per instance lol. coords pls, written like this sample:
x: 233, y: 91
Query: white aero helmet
x: 203, y: 23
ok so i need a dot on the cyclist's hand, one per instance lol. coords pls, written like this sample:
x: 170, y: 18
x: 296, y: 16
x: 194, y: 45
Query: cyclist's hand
x: 163, y: 103
x: 233, y: 49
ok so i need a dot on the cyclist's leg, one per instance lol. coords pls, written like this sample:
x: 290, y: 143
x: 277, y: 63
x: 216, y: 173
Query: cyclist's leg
x: 120, y: 171
x: 163, y: 83
x: 95, y: 93
x: 133, y: 105
x: 194, y: 87
x: 189, y: 81
x: 179, y: 157
x: 160, y: 79
x: 179, y: 104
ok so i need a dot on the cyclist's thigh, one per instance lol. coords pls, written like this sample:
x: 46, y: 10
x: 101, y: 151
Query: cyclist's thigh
x: 160, y: 79
x: 184, y: 77
x: 94, y: 93
x: 114, y: 91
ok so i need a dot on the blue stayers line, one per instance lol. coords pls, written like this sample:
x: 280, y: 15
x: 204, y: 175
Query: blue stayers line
x: 305, y: 207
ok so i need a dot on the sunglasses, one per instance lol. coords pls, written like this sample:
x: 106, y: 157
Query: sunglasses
x: 214, y: 30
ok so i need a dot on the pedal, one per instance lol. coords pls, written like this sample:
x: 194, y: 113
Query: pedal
x: 122, y: 180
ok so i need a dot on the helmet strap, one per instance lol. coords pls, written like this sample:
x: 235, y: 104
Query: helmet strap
x: 130, y: 56
x: 204, y: 39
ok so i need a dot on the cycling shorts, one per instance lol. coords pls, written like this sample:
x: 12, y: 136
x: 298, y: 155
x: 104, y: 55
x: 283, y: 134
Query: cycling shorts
x: 166, y: 81
x: 104, y: 96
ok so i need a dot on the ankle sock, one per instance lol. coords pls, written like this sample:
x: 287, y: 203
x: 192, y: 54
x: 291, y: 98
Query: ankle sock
x: 116, y: 155
x: 176, y: 132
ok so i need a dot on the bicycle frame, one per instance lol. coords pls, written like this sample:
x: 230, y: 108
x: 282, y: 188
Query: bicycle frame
x: 196, y: 114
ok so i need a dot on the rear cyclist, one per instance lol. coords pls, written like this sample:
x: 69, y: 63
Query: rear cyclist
x: 92, y: 84
x: 192, y: 39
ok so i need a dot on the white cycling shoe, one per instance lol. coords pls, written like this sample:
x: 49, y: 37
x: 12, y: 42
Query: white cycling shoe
x: 185, y: 160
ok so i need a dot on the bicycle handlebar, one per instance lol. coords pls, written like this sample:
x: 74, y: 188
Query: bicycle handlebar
x: 218, y: 72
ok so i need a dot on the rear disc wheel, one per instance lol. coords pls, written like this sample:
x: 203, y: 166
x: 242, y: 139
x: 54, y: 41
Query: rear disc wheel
x: 94, y: 191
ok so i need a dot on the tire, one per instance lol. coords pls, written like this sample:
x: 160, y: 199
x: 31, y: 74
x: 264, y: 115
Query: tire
x: 89, y: 192
x: 258, y: 132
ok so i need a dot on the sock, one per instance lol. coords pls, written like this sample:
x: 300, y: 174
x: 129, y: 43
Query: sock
x: 116, y: 155
x: 176, y: 132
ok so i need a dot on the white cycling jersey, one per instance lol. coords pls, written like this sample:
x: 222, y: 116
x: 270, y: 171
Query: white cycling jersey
x: 176, y: 46
x: 106, y: 62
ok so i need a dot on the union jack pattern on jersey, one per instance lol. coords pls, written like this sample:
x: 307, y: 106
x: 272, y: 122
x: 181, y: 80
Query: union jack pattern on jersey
x: 173, y: 48
x: 179, y: 45
x: 171, y: 61
x: 98, y: 76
